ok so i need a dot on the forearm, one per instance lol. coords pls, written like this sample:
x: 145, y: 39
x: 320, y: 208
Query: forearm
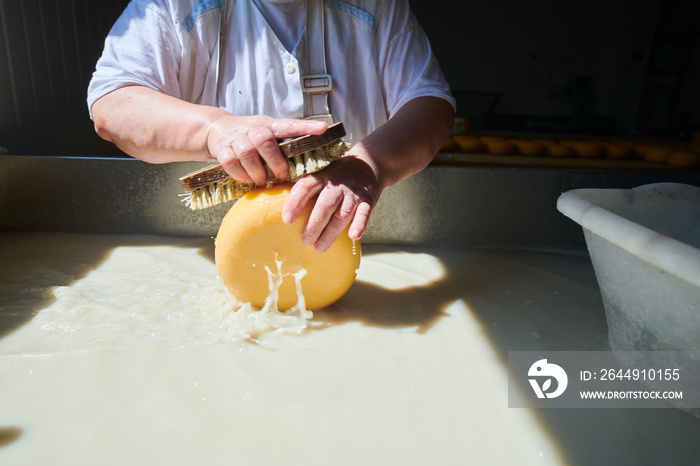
x: 154, y: 127
x: 158, y: 128
x: 408, y: 141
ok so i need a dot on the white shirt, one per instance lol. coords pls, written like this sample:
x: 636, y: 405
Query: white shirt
x: 377, y: 54
x: 286, y: 18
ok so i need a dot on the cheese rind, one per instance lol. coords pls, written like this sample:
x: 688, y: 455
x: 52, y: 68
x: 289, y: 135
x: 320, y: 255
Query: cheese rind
x: 252, y: 238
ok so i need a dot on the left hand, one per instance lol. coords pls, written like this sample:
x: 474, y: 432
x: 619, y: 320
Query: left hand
x: 344, y: 193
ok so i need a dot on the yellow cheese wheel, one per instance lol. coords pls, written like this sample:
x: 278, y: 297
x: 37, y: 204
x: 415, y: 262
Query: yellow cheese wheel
x: 684, y: 159
x: 448, y: 145
x: 545, y: 142
x: 252, y: 236
x: 469, y: 144
x: 657, y: 154
x: 639, y: 150
x: 529, y: 148
x: 616, y: 151
x: 585, y: 148
x: 559, y: 150
x: 498, y: 147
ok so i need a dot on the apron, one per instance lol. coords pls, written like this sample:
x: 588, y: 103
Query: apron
x: 267, y: 79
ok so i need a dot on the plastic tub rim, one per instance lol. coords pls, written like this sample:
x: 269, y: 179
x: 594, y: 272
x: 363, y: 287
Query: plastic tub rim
x: 651, y: 246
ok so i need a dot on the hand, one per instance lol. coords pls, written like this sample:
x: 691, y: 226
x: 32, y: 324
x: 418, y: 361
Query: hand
x: 241, y: 144
x: 343, y: 193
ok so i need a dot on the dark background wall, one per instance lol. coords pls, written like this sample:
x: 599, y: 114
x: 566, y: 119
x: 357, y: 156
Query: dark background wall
x: 48, y: 49
x: 634, y: 62
x: 631, y: 64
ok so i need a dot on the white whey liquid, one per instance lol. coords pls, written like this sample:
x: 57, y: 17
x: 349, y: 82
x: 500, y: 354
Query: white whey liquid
x: 127, y: 350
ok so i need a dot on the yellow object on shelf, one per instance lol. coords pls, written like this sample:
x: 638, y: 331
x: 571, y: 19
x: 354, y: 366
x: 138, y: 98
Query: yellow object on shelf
x: 526, y: 149
x: 616, y: 151
x: 656, y: 154
x: 545, y: 142
x: 500, y: 147
x: 585, y: 148
x: 683, y: 159
x: 529, y: 148
x: 469, y: 144
x: 449, y: 144
x: 559, y: 150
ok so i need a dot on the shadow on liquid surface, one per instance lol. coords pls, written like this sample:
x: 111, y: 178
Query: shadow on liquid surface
x: 531, y: 301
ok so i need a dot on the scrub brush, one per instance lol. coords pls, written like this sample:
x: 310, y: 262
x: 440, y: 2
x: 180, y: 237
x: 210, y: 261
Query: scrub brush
x: 211, y: 185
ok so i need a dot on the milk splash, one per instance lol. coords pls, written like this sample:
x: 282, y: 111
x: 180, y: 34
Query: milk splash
x: 253, y: 323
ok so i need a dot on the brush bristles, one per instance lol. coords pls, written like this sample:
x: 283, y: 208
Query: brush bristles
x: 229, y: 189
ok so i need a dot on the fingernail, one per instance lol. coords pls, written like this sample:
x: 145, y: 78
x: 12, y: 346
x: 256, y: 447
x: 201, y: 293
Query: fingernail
x: 287, y: 217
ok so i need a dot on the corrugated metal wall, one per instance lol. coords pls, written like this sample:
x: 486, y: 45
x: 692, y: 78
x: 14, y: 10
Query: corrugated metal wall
x: 48, y: 49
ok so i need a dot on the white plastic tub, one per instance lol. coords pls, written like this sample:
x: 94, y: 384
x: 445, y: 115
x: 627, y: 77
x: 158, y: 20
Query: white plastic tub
x: 644, y: 244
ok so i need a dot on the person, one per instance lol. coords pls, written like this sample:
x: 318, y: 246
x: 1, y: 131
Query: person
x: 195, y: 80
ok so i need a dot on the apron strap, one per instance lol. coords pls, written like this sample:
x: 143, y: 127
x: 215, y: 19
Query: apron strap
x: 317, y: 83
x: 226, y: 9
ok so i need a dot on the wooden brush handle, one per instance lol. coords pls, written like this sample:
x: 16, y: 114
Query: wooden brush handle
x: 307, y: 143
x: 203, y: 177
x: 291, y: 148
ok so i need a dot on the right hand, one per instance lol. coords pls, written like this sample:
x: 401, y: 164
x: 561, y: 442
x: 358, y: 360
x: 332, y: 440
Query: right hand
x: 344, y: 193
x: 241, y: 144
